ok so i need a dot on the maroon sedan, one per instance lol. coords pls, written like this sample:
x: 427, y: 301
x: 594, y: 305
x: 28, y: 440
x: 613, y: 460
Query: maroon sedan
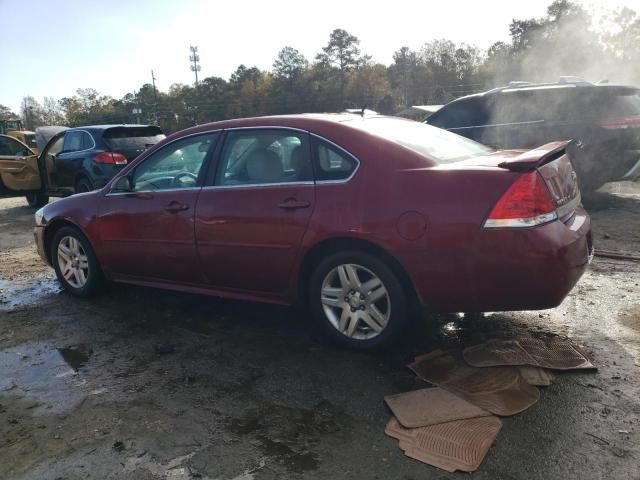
x: 368, y: 219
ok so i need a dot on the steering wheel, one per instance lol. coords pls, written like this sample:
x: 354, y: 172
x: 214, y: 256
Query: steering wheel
x: 177, y: 183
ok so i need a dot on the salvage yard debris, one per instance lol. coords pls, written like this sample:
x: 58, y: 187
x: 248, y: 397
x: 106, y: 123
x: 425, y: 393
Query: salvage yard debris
x: 546, y: 352
x: 451, y: 427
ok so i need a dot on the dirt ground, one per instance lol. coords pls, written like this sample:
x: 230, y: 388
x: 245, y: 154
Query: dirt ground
x: 253, y: 392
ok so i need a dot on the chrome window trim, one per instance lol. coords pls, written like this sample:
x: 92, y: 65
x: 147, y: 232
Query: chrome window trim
x: 349, y: 154
x: 253, y: 185
x: 77, y: 151
x: 113, y: 194
x: 489, y: 125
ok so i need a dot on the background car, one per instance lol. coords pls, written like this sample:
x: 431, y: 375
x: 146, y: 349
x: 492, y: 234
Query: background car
x: 74, y: 160
x: 368, y: 219
x: 603, y: 119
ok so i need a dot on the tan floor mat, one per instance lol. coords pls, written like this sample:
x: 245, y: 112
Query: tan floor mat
x: 537, y: 376
x: 549, y: 352
x: 500, y: 390
x: 458, y: 445
x: 430, y: 406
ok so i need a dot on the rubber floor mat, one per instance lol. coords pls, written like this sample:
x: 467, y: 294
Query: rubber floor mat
x: 451, y: 446
x: 548, y: 352
x: 537, y: 376
x: 430, y: 406
x: 500, y: 390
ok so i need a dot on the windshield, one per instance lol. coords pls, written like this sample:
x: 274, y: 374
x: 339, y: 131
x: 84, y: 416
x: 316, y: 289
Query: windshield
x: 432, y: 142
x: 124, y: 138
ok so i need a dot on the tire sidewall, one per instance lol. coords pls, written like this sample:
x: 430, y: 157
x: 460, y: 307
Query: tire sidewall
x: 398, y: 320
x: 37, y: 199
x: 95, y: 274
x: 83, y: 182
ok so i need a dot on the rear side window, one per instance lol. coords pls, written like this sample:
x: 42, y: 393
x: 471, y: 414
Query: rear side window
x: 333, y: 163
x: 125, y: 138
x: 72, y: 141
x: 470, y: 112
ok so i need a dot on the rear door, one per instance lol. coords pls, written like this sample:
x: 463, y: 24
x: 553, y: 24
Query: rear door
x: 76, y: 148
x: 251, y: 218
x: 18, y: 168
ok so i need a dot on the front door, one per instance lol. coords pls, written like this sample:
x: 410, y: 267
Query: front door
x: 18, y: 168
x: 146, y: 227
x: 251, y: 219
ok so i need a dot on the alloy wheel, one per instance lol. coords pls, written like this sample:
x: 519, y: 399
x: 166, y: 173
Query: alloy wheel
x: 73, y: 262
x: 355, y: 301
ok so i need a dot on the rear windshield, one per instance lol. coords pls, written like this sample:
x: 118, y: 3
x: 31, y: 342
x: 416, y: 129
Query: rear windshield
x: 431, y: 142
x: 123, y: 138
x: 621, y: 106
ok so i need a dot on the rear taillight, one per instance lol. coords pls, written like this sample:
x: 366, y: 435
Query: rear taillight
x: 621, y: 123
x: 527, y: 202
x: 111, y: 158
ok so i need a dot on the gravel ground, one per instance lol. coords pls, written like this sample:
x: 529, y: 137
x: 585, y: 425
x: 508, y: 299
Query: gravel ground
x: 253, y: 392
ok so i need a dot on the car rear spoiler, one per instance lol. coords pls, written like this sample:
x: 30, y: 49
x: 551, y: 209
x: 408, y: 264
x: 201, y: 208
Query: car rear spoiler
x: 537, y: 157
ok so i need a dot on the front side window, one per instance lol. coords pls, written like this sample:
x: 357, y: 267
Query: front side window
x: 264, y: 156
x: 176, y: 166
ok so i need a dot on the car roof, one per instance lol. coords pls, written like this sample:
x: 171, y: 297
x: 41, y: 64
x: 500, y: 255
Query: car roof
x: 304, y: 121
x: 526, y: 87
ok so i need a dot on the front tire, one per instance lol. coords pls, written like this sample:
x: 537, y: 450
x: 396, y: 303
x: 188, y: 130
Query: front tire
x: 83, y: 185
x: 358, y: 300
x: 75, y: 263
x: 37, y: 199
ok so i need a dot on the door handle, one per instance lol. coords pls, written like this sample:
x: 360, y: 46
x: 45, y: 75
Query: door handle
x: 175, y: 207
x: 293, y: 204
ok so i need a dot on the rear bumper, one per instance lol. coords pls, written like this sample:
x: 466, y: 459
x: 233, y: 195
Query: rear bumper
x: 512, y: 269
x: 38, y: 236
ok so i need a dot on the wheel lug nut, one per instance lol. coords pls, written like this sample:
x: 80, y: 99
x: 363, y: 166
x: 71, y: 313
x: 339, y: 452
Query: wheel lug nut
x: 361, y: 296
x: 353, y: 309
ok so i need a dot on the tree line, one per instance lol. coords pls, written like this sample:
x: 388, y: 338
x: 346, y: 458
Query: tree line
x: 568, y: 40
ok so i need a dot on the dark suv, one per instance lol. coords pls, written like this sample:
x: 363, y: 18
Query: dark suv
x: 85, y: 158
x: 603, y: 119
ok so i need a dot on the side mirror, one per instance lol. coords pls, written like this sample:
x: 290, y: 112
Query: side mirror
x: 122, y: 185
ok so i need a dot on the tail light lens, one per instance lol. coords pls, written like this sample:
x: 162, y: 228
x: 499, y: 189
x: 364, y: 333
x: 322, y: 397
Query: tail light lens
x: 111, y: 158
x: 621, y: 123
x: 527, y: 202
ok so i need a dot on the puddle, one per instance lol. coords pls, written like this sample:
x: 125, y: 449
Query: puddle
x: 17, y: 293
x: 76, y: 356
x: 45, y: 374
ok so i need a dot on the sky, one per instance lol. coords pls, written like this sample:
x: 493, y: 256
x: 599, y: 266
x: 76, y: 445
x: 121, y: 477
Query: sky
x: 51, y: 48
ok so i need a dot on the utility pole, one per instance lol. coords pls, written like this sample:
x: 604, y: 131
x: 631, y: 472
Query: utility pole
x: 195, y: 58
x: 155, y: 96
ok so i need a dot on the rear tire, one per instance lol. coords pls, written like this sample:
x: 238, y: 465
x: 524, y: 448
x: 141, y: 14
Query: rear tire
x: 358, y: 300
x: 75, y: 263
x: 83, y: 185
x: 37, y: 199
